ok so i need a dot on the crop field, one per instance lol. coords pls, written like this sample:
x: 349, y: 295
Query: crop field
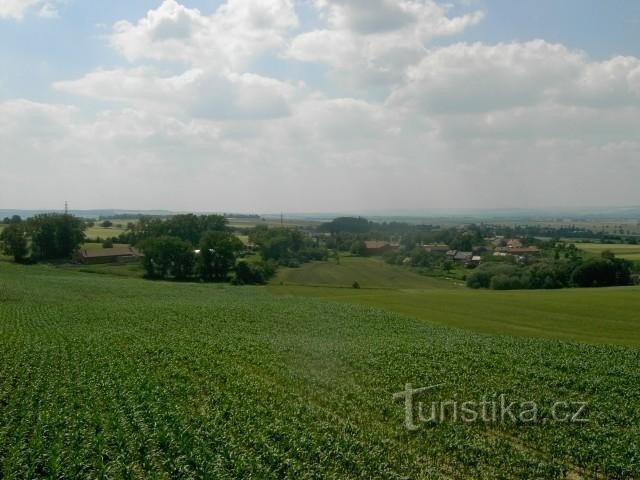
x: 125, y: 378
x: 630, y: 252
x: 368, y: 272
x: 104, y: 232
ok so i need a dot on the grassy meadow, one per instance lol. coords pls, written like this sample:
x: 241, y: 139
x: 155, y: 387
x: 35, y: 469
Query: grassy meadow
x: 368, y: 272
x: 629, y: 252
x: 106, y: 377
x: 586, y: 315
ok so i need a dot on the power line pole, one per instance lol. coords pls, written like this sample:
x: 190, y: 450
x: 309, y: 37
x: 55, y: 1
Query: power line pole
x: 66, y: 207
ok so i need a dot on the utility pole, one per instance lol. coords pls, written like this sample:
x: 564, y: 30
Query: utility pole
x: 66, y: 207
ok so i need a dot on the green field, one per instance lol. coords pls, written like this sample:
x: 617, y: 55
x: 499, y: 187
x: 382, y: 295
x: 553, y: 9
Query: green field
x: 630, y: 252
x: 104, y: 232
x: 368, y: 272
x: 594, y: 316
x: 105, y: 377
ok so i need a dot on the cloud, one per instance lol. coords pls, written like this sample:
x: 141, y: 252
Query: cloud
x: 519, y: 123
x: 237, y: 32
x: 467, y: 78
x: 196, y: 92
x: 17, y: 9
x: 373, y: 41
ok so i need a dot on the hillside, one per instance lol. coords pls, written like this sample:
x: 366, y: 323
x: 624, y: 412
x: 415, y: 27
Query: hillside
x: 116, y: 377
x: 368, y: 272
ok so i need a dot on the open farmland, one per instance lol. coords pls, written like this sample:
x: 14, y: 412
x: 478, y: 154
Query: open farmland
x: 116, y: 377
x: 629, y: 252
x: 368, y: 272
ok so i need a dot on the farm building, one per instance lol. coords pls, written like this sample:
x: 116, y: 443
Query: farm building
x: 378, y: 247
x: 436, y: 247
x: 107, y: 255
x: 518, y: 250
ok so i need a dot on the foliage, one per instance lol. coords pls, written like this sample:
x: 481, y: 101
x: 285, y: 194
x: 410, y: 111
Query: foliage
x: 254, y: 273
x: 286, y: 246
x: 168, y: 257
x: 566, y: 268
x: 13, y: 241
x: 187, y: 227
x: 607, y: 271
x: 218, y: 253
x: 55, y: 236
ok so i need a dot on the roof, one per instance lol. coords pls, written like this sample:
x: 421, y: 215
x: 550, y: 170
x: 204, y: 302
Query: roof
x: 518, y: 250
x: 110, y: 252
x: 375, y: 244
x: 463, y: 256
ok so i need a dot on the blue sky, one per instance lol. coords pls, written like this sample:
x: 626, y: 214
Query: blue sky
x: 451, y: 91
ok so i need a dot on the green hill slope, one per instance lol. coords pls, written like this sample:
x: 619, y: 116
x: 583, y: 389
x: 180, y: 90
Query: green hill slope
x: 116, y: 377
x: 368, y: 272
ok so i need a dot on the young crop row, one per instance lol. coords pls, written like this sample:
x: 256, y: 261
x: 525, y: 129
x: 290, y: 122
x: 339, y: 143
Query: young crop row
x: 119, y: 378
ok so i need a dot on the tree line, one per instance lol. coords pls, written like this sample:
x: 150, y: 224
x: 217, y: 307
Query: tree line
x: 50, y: 236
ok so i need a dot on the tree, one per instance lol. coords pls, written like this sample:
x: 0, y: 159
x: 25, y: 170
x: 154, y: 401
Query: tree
x: 55, y: 236
x: 13, y: 240
x: 253, y: 273
x: 607, y: 271
x: 168, y: 257
x: 218, y: 253
x: 107, y: 224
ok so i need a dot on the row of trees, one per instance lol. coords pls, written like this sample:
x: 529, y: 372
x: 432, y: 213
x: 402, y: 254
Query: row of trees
x: 559, y: 271
x: 188, y: 227
x: 43, y: 237
x: 287, y: 247
x: 168, y: 257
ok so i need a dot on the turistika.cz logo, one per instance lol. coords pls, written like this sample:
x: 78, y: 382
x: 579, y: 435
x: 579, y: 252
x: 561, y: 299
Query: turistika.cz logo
x: 495, y: 409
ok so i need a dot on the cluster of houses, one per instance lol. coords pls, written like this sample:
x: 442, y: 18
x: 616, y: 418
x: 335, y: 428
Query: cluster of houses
x: 500, y: 247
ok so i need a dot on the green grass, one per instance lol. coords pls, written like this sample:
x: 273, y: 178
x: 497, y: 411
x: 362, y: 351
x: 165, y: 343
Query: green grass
x: 368, y: 272
x: 104, y: 377
x: 630, y: 252
x: 132, y: 270
x: 593, y: 316
x: 103, y: 232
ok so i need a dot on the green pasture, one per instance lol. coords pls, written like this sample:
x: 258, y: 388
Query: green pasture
x: 630, y: 252
x: 368, y: 272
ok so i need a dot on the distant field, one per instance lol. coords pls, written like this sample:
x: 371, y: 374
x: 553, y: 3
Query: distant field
x: 368, y: 272
x: 630, y: 252
x: 102, y: 232
x: 594, y: 316
x: 104, y: 377
x: 98, y: 246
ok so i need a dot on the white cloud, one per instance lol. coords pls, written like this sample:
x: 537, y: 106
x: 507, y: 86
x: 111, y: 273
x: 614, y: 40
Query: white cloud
x: 373, y: 41
x: 522, y: 124
x: 17, y: 9
x: 468, y: 78
x: 196, y: 92
x: 234, y: 34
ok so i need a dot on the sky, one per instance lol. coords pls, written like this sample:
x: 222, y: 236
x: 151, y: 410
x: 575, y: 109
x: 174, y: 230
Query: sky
x: 267, y: 106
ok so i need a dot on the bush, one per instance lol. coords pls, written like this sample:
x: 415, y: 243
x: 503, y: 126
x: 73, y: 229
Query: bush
x: 168, y: 257
x: 356, y: 285
x: 253, y: 273
x: 107, y: 243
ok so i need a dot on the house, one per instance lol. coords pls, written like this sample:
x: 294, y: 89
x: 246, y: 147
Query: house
x: 377, y: 247
x: 436, y: 248
x: 520, y: 251
x: 107, y: 255
x: 463, y: 257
